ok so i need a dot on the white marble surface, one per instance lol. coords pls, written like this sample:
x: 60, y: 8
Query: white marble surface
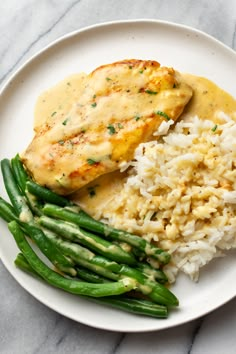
x: 27, y: 326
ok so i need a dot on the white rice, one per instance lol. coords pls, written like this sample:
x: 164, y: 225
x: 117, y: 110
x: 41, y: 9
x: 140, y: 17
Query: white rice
x: 181, y: 193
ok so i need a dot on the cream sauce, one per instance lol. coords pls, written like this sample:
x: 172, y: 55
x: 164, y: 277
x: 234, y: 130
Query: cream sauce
x: 207, y: 100
x: 58, y: 99
x: 93, y: 123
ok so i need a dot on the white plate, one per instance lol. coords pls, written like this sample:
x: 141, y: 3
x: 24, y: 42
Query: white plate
x: 183, y: 48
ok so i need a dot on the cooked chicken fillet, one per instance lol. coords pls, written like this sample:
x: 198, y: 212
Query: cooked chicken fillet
x: 120, y: 105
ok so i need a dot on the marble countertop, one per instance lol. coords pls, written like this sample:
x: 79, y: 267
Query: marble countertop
x: 27, y: 326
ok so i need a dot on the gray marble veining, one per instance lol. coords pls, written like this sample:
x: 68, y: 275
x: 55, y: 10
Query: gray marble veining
x: 27, y: 326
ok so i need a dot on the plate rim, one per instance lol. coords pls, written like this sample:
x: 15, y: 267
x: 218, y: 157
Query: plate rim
x: 70, y: 34
x: 5, y: 85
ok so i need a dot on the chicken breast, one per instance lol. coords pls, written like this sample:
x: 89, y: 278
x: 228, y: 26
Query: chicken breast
x: 120, y: 105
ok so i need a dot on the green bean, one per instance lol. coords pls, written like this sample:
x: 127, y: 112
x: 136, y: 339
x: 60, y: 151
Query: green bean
x: 22, y: 263
x: 152, y: 273
x: 90, y: 276
x: 27, y: 221
x: 7, y: 212
x: 85, y: 257
x: 19, y: 172
x: 77, y: 216
x: 46, y: 194
x: 17, y: 199
x: 55, y: 279
x: 136, y: 306
x: 48, y: 249
x: 96, y: 243
x: 21, y: 178
x: 155, y: 291
x: 158, y: 293
x: 83, y: 273
x: 64, y: 254
x: 112, y: 270
x: 81, y: 218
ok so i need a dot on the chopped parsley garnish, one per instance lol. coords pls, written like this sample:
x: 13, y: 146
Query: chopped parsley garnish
x: 163, y: 114
x: 120, y: 126
x: 91, y: 161
x: 130, y: 67
x: 214, y: 128
x: 111, y: 129
x: 150, y: 92
x: 140, y: 71
x: 174, y: 86
x: 94, y: 104
x: 53, y: 114
x: 65, y: 121
x: 94, y: 96
x: 108, y: 78
x: 137, y: 117
x: 61, y: 142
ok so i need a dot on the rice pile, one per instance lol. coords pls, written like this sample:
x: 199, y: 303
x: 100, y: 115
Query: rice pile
x: 181, y: 193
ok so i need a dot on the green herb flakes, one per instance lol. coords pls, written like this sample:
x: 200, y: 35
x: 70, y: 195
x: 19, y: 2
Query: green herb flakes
x: 214, y: 128
x: 108, y: 78
x: 120, y: 126
x: 65, y: 121
x: 53, y: 114
x: 94, y: 104
x: 61, y: 142
x: 91, y: 161
x: 150, y: 92
x: 137, y: 117
x: 111, y: 129
x: 163, y: 114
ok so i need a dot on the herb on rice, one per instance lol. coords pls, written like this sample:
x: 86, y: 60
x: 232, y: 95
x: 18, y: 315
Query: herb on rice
x: 214, y: 128
x: 111, y: 129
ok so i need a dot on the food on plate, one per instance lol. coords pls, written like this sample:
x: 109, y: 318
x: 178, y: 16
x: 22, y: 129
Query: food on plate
x: 107, y: 268
x: 154, y: 196
x: 118, y: 106
x: 140, y: 200
x: 148, y: 158
x: 181, y: 193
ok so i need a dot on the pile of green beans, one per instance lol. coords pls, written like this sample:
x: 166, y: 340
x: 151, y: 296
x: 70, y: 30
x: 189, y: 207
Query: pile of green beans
x: 89, y: 256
